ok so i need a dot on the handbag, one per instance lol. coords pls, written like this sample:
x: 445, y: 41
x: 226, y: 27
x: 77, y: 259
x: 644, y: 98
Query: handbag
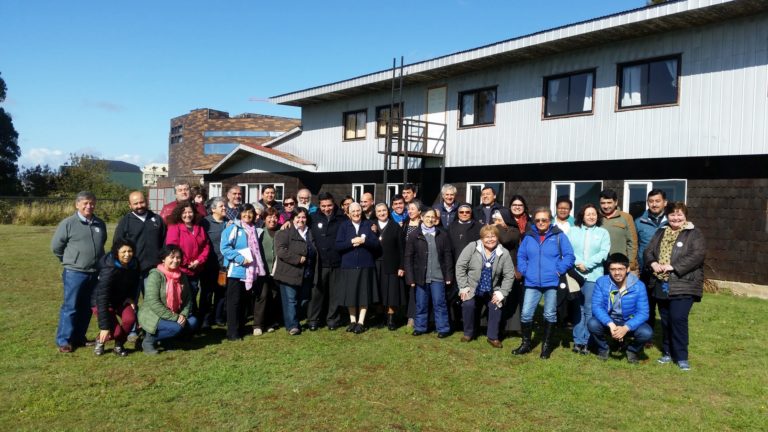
x: 222, y: 279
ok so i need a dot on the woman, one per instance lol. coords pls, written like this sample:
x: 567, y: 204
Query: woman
x: 187, y: 232
x: 358, y: 245
x: 389, y: 266
x: 198, y: 195
x: 519, y: 209
x: 429, y: 268
x: 545, y: 255
x: 591, y: 245
x: 485, y: 274
x: 289, y: 207
x: 243, y: 261
x: 412, y: 224
x: 118, y: 279
x: 165, y: 312
x: 676, y: 254
x: 295, y: 267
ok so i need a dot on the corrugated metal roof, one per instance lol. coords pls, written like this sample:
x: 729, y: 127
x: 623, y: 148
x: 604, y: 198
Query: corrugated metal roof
x: 624, y: 25
x: 244, y: 150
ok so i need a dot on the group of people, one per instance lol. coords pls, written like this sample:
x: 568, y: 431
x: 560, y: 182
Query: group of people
x: 201, y: 263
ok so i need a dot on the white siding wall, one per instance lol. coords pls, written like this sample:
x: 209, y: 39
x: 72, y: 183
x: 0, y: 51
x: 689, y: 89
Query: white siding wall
x: 723, y: 108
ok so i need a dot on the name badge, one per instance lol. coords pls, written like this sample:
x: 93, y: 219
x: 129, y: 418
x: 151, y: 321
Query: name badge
x: 96, y: 229
x: 488, y: 265
x: 320, y: 225
x: 679, y: 244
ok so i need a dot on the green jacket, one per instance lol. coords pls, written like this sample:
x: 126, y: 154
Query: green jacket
x: 154, y: 307
x: 621, y: 228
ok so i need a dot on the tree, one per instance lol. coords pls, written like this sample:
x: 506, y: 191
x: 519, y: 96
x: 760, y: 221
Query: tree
x: 9, y: 149
x: 39, y: 181
x: 85, y: 172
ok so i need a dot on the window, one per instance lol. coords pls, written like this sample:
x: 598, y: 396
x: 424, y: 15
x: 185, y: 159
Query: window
x: 579, y: 192
x: 219, y: 148
x: 569, y: 94
x: 354, y: 124
x: 636, y: 193
x: 252, y: 191
x: 359, y: 189
x: 382, y: 119
x: 214, y: 190
x: 477, y: 107
x: 475, y: 189
x: 649, y: 82
x: 392, y: 190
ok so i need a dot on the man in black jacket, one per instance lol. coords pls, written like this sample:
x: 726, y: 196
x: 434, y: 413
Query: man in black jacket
x: 325, y: 224
x: 489, y: 209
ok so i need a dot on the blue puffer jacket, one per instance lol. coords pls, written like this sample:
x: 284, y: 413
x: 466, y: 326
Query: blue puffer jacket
x: 634, y: 304
x: 540, y: 262
x: 646, y: 228
x: 233, y: 239
x: 595, y: 254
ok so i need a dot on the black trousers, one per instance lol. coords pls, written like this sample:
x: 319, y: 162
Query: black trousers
x: 324, y: 298
x: 235, y: 307
x: 266, y: 303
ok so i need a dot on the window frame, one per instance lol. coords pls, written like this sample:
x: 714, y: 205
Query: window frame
x: 357, y: 196
x: 212, y: 186
x: 460, y: 106
x: 380, y: 125
x: 545, y: 94
x: 649, y: 185
x: 571, y: 193
x: 389, y: 196
x: 499, y: 196
x: 620, y: 81
x: 344, y: 125
x: 257, y: 187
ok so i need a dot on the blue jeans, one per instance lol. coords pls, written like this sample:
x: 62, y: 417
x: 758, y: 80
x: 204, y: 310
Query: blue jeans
x: 75, y: 313
x: 290, y: 296
x: 580, y: 331
x: 531, y: 301
x: 436, y: 290
x: 167, y: 329
x: 639, y: 336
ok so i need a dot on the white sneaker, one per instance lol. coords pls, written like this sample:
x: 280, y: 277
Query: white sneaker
x: 257, y: 332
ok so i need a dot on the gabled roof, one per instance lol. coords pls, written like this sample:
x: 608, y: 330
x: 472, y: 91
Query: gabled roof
x: 631, y: 24
x: 244, y: 150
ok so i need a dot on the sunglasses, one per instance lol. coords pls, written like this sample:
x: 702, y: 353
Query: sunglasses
x: 541, y: 220
x: 289, y: 203
x: 465, y: 212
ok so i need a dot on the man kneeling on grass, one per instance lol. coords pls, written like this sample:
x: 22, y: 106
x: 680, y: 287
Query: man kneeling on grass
x: 620, y: 307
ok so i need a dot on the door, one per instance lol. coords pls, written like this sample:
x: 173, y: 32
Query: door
x: 436, y: 106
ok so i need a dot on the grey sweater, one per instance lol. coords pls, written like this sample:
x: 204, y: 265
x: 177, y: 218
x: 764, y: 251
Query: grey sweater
x: 79, y: 245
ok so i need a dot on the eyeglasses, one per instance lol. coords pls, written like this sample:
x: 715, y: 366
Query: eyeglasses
x: 541, y: 220
x: 289, y: 203
x: 465, y: 212
x: 517, y: 205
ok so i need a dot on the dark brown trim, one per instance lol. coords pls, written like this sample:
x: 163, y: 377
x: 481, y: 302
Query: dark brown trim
x: 545, y: 88
x: 619, y: 69
x: 344, y: 125
x: 477, y: 90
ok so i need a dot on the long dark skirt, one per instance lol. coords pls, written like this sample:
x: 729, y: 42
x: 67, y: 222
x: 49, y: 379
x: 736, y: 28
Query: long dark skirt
x: 358, y: 287
x: 391, y: 288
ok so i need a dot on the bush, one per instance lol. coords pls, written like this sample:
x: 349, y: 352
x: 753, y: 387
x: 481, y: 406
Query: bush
x: 42, y: 212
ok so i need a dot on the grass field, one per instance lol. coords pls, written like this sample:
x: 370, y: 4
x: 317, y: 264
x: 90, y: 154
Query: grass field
x: 379, y: 380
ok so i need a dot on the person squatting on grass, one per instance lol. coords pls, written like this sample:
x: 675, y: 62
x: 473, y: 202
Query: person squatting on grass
x: 78, y: 244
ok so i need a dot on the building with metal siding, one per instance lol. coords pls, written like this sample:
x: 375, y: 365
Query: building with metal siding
x: 708, y: 144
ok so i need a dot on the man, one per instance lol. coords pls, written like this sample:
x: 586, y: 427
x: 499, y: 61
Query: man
x: 620, y: 308
x: 145, y: 229
x: 620, y: 226
x: 653, y: 219
x: 366, y: 202
x: 234, y: 203
x: 268, y: 199
x: 447, y: 206
x: 78, y: 244
x: 563, y: 218
x: 212, y: 301
x: 182, y: 194
x: 408, y: 191
x: 489, y: 209
x: 325, y: 224
x: 305, y: 200
x: 398, y: 214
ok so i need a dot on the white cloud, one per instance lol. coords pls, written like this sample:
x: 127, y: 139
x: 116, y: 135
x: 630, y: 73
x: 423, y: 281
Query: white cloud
x: 43, y: 156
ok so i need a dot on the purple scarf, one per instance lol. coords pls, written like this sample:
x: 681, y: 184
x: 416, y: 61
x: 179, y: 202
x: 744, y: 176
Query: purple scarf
x: 256, y: 267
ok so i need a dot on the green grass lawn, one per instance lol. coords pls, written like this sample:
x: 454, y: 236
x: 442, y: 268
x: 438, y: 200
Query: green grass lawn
x: 379, y: 380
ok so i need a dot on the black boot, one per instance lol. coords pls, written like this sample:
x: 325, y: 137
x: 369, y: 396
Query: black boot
x: 525, y: 344
x: 547, y: 344
x: 391, y: 322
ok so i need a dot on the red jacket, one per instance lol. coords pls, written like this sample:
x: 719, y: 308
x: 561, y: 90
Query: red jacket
x: 194, y: 245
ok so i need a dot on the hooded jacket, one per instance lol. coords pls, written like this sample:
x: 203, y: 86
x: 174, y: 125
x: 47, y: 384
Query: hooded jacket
x: 687, y: 260
x: 116, y: 284
x: 542, y: 263
x: 634, y: 304
x: 469, y: 269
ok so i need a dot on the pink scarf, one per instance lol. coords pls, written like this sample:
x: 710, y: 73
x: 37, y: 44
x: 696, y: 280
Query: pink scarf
x: 172, y: 288
x: 256, y: 267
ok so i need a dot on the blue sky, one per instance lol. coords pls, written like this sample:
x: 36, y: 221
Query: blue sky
x: 105, y: 77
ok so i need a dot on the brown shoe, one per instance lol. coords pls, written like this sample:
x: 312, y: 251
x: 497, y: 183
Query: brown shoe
x: 495, y: 343
x: 65, y: 349
x: 466, y: 338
